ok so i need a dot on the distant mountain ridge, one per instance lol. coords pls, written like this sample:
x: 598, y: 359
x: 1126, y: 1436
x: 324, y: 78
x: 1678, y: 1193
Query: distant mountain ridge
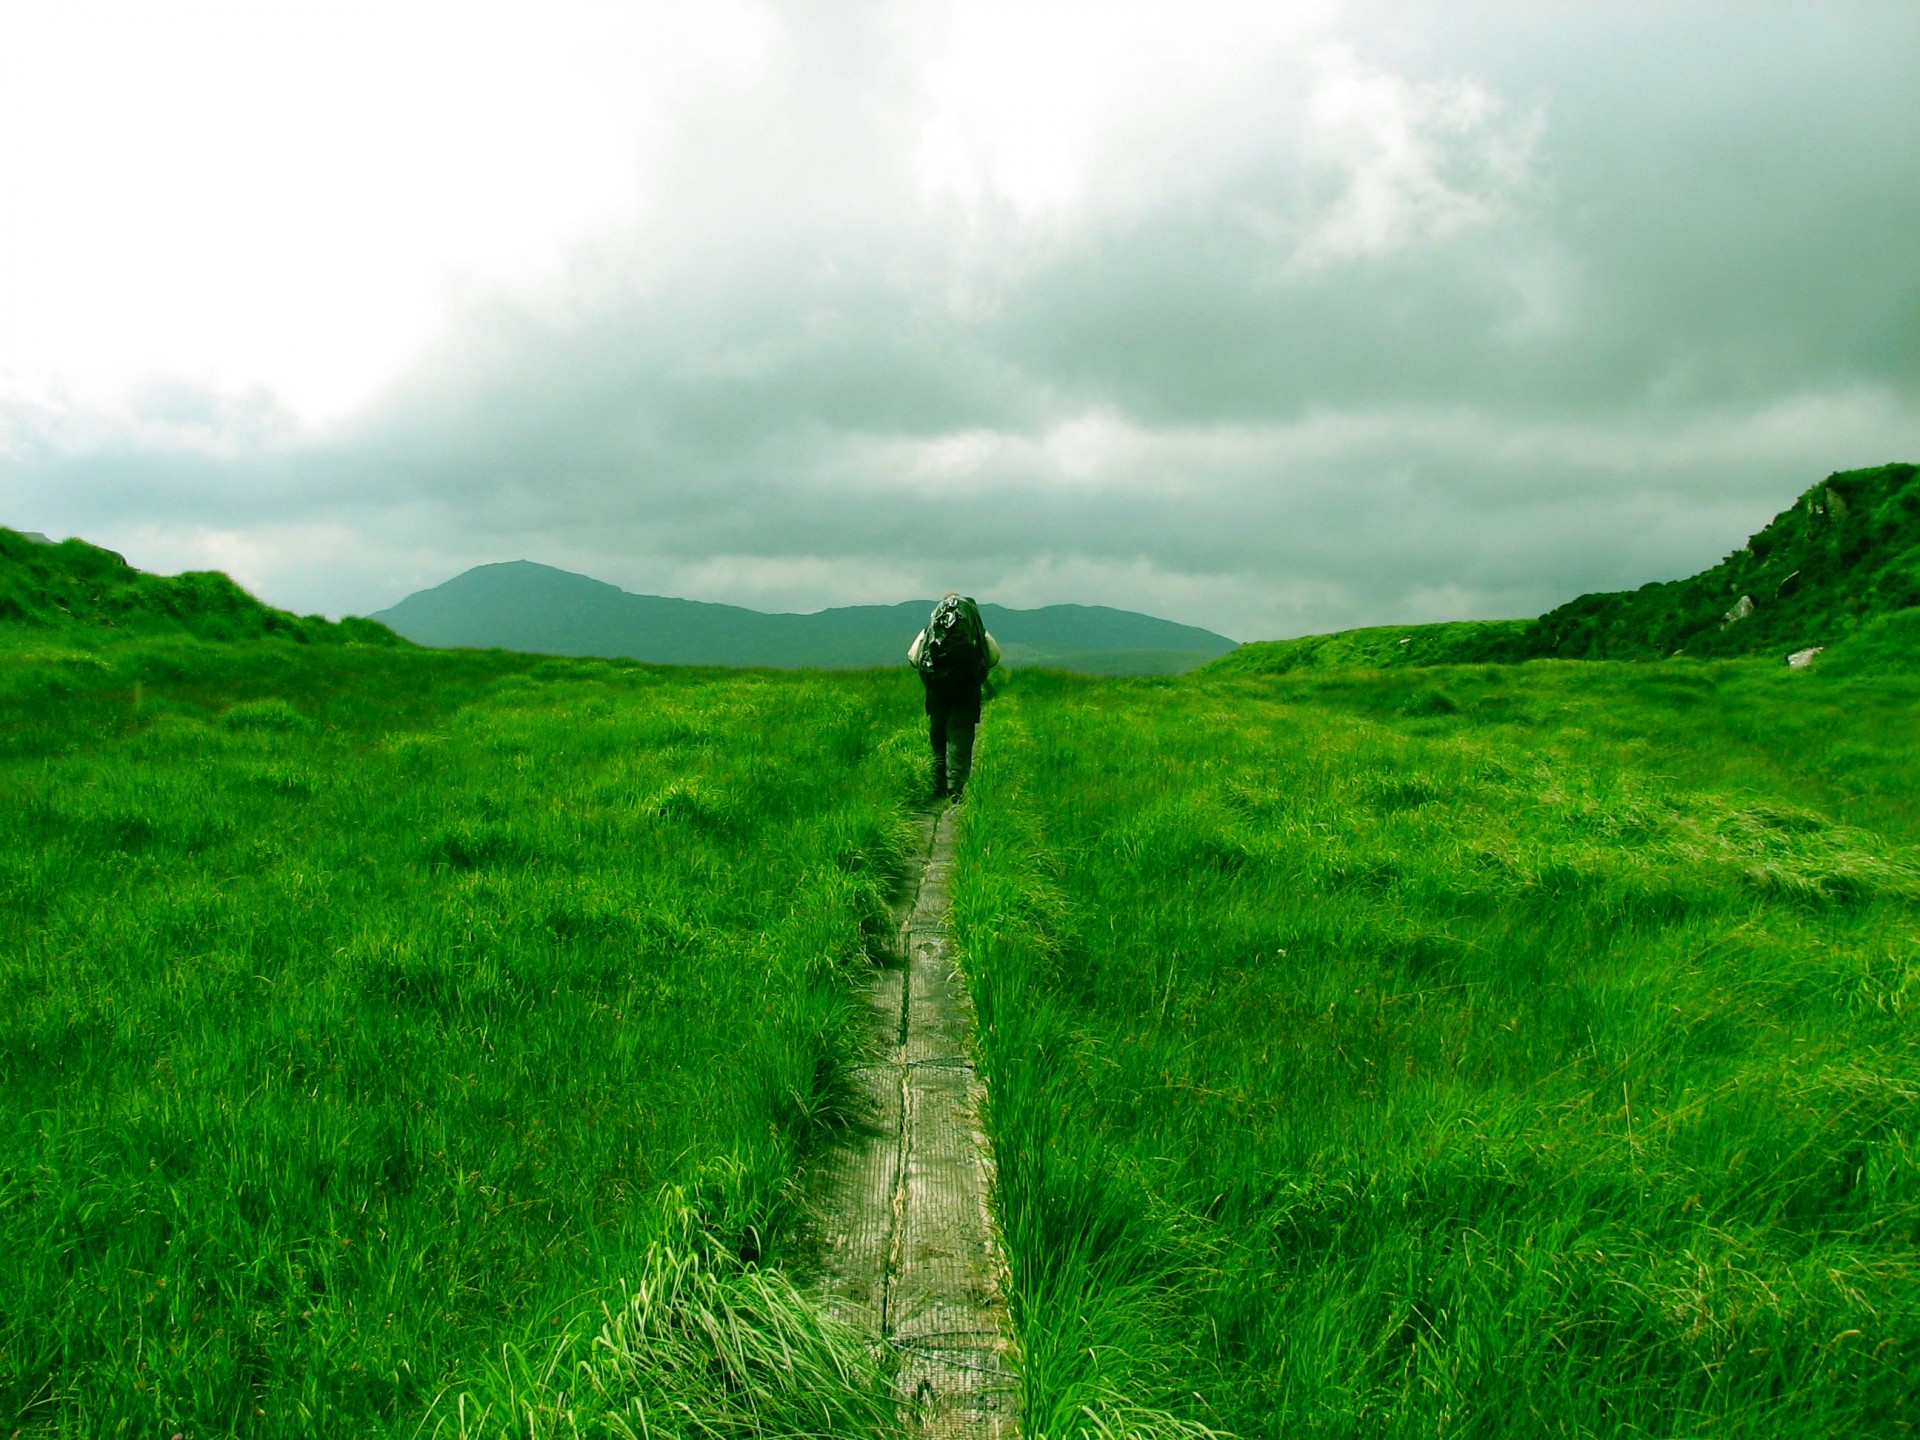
x: 521, y: 605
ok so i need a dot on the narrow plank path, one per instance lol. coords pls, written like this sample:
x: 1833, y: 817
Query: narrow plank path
x: 908, y: 1242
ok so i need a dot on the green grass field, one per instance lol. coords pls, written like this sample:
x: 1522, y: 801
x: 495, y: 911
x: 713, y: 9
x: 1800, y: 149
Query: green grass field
x: 1470, y: 1051
x: 397, y: 1042
x: 377, y: 1027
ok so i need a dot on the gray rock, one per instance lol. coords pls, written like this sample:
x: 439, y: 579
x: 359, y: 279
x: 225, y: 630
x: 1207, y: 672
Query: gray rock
x: 1742, y: 608
x: 1800, y: 659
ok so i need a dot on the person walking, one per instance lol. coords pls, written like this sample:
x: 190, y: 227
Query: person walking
x: 953, y: 655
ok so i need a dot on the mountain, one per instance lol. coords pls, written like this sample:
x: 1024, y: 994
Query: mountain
x: 44, y: 585
x: 519, y: 605
x: 1836, y: 561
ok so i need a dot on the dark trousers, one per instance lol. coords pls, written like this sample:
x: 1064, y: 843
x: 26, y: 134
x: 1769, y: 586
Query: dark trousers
x: 951, y: 718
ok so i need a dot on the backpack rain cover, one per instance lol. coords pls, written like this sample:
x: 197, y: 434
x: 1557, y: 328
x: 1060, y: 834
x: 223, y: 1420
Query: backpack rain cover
x: 956, y: 647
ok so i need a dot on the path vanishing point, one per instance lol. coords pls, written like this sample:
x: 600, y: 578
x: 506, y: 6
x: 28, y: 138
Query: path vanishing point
x: 909, y: 1245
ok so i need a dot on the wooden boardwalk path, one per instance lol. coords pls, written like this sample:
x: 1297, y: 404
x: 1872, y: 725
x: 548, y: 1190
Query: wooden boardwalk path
x: 909, y: 1245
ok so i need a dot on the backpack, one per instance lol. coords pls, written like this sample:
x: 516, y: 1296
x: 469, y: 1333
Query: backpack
x: 956, y: 647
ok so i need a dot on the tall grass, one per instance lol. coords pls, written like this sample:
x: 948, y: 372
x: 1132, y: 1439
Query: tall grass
x: 1504, y: 1051
x: 697, y: 1344
x: 418, y: 1043
x: 369, y: 1017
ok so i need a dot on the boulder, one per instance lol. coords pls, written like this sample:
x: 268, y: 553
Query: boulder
x: 1742, y: 608
x: 1800, y: 659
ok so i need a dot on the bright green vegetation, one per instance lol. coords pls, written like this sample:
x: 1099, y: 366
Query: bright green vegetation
x: 398, y: 1042
x: 402, y: 1042
x: 75, y: 586
x: 1884, y: 645
x: 1380, y: 647
x: 1847, y: 550
x: 1527, y: 1050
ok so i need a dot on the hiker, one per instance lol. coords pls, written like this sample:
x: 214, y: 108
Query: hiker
x: 953, y: 655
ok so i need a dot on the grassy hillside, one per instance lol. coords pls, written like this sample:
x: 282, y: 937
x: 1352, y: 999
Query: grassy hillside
x: 74, y: 584
x: 1470, y: 1051
x: 1454, y: 642
x: 1847, y: 550
x: 395, y: 1042
x: 523, y: 606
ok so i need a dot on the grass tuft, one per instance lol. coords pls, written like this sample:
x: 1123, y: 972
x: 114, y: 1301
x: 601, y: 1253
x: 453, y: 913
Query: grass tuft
x: 700, y: 1344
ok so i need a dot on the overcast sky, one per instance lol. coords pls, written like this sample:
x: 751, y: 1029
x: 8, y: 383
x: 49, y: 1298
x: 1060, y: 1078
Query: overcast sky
x: 1271, y: 317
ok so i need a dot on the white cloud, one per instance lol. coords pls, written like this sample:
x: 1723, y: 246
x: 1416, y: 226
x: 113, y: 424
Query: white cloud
x: 294, y: 195
x: 1051, y: 109
x: 1395, y: 163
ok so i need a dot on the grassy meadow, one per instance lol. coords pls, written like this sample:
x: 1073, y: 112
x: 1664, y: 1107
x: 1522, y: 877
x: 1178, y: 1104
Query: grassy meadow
x: 415, y: 1043
x: 1492, y: 1050
x: 398, y: 1042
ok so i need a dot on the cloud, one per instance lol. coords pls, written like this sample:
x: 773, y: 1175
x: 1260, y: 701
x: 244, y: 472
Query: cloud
x: 1268, y: 318
x: 1400, y: 164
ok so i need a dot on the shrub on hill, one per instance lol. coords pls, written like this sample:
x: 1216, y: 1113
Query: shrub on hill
x: 76, y: 584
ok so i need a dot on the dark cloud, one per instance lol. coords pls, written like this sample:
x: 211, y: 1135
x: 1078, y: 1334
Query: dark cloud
x: 1463, y: 324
